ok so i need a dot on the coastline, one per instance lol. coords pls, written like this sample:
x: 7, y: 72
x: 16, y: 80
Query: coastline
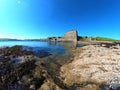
x: 88, y: 67
x: 26, y: 70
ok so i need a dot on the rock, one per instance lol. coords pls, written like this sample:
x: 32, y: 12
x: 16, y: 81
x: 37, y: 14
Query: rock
x: 45, y: 80
x: 50, y: 85
x: 89, y: 87
x: 93, y: 64
x: 40, y: 72
x: 16, y: 51
x: 71, y: 36
x: 118, y: 88
x: 32, y: 87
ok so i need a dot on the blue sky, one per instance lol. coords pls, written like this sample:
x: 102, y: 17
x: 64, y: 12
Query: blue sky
x: 43, y: 18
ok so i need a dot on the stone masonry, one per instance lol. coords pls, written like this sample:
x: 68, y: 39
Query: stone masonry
x: 68, y: 36
x: 71, y: 36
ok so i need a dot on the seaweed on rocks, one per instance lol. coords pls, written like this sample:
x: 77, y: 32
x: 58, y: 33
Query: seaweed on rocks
x: 10, y: 74
x: 17, y: 51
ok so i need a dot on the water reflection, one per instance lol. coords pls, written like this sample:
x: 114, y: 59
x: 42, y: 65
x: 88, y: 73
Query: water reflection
x: 60, y: 53
x: 67, y: 45
x: 38, y: 44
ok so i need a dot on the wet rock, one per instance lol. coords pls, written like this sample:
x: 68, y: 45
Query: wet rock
x: 32, y: 87
x: 49, y: 85
x: 24, y: 75
x: 42, y: 53
x: 46, y: 82
x: 89, y: 87
x: 18, y: 51
x: 118, y: 88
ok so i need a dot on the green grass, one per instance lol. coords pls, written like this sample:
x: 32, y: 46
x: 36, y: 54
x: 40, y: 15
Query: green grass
x: 103, y: 39
x: 97, y: 39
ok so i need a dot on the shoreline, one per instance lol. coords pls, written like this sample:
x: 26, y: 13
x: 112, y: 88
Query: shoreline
x: 94, y: 64
x: 87, y: 67
x: 31, y: 72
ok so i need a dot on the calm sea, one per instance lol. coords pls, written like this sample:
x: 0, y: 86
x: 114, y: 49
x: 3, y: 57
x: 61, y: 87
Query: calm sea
x: 53, y: 47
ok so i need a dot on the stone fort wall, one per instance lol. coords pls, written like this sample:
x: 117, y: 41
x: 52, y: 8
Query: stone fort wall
x: 68, y: 36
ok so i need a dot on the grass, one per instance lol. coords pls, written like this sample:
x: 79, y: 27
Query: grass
x: 103, y: 39
x: 97, y: 39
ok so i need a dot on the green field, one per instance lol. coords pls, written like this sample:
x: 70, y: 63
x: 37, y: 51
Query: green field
x: 96, y: 39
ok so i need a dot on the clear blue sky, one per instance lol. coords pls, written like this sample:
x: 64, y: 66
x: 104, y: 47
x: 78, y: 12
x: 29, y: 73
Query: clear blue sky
x: 43, y: 18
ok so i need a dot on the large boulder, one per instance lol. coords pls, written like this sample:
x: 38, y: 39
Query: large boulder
x: 71, y: 36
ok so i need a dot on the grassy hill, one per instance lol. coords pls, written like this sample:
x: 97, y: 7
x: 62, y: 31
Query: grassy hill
x: 97, y: 39
x: 103, y: 39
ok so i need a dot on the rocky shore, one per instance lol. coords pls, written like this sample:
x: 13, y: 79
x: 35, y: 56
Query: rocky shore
x: 21, y: 69
x: 24, y: 68
x: 94, y: 67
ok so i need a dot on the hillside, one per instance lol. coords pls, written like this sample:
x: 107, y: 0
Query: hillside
x: 7, y: 39
x: 85, y: 38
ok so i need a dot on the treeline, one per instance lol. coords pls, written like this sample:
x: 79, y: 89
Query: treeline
x: 6, y: 39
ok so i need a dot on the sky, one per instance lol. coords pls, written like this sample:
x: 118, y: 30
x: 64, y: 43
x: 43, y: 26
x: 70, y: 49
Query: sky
x: 25, y: 19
